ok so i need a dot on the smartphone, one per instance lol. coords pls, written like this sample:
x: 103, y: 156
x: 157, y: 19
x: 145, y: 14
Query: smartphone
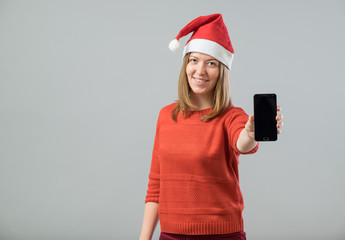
x: 265, y: 112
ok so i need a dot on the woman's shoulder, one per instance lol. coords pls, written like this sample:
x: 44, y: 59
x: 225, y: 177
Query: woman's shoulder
x: 236, y: 109
x: 233, y: 109
x: 166, y: 110
x: 168, y: 107
x: 233, y: 112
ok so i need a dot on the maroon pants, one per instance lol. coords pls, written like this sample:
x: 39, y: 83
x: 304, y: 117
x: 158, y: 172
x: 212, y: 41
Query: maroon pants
x: 233, y: 236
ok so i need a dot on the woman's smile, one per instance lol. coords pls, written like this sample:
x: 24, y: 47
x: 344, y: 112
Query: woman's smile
x: 200, y: 81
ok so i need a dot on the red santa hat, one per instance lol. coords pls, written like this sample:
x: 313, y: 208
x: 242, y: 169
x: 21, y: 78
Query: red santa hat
x: 210, y: 37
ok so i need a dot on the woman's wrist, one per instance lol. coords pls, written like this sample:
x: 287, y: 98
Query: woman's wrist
x: 246, y: 141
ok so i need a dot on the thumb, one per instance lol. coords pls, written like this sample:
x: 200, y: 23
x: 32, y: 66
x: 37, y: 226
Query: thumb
x: 250, y: 124
x: 251, y: 118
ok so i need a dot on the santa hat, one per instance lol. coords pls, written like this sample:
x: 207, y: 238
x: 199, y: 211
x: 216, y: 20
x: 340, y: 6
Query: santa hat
x: 210, y: 37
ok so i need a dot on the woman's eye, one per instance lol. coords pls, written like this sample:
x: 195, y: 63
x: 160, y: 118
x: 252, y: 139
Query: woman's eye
x: 192, y: 60
x: 212, y: 64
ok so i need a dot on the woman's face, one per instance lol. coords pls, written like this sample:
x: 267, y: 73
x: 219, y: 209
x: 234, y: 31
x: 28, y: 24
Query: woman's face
x: 202, y: 73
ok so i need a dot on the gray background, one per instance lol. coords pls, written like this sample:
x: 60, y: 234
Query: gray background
x: 81, y: 86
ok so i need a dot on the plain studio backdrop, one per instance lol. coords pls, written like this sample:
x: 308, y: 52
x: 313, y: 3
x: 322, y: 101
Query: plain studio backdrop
x: 81, y: 86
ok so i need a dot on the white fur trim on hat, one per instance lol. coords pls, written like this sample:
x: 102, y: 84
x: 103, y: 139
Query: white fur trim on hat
x: 210, y: 48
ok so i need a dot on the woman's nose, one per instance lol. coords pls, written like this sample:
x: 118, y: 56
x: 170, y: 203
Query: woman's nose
x: 200, y: 68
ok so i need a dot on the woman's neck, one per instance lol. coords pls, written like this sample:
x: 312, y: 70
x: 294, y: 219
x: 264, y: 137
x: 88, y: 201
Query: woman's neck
x: 201, y: 102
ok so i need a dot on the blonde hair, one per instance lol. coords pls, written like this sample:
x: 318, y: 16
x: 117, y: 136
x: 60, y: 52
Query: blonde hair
x: 221, y: 95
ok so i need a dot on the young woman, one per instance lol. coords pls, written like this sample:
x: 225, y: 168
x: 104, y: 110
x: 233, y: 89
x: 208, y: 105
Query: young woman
x: 193, y: 184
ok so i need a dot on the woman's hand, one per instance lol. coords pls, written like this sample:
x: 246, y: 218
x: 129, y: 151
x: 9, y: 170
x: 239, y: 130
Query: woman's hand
x: 250, y: 123
x: 279, y: 118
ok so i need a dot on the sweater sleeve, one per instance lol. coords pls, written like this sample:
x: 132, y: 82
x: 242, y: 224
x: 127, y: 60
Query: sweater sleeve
x: 154, y: 175
x: 235, y: 125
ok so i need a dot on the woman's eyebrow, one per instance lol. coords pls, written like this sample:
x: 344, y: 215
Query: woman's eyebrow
x: 208, y: 59
x: 193, y: 56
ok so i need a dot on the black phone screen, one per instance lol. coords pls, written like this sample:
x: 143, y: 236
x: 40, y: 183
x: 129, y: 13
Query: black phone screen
x: 265, y: 112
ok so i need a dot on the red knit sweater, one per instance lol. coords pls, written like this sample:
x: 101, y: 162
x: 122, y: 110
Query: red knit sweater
x: 194, y: 172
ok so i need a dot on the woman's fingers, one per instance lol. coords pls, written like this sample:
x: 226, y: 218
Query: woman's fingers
x: 280, y: 124
x: 279, y: 117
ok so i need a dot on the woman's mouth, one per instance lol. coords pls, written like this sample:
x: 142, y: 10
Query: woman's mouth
x: 200, y: 81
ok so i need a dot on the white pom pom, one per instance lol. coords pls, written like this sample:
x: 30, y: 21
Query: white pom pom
x: 174, y: 45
